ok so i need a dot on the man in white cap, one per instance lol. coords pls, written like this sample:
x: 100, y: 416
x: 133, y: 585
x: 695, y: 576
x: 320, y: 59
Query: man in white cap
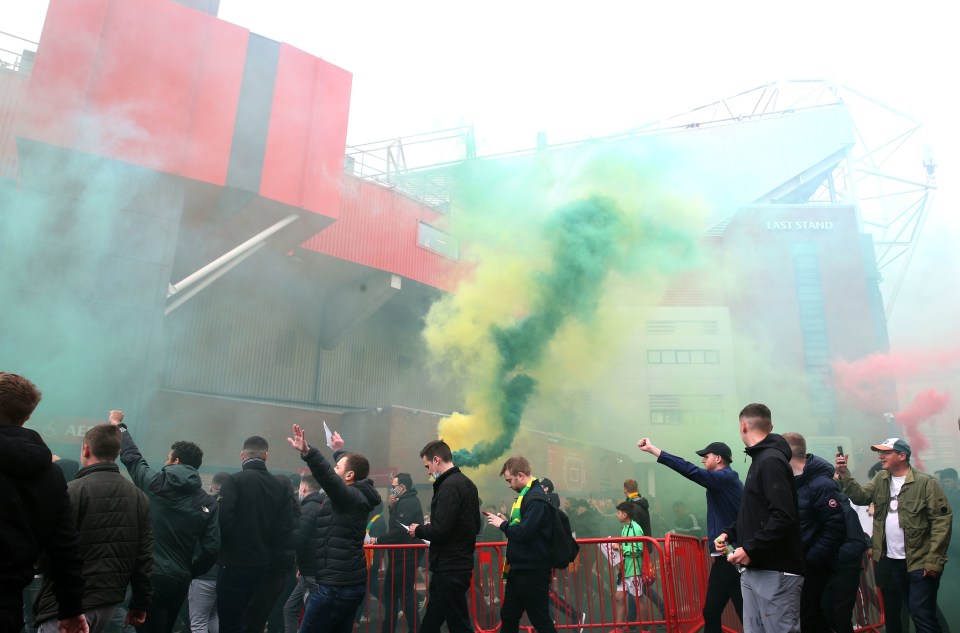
x: 911, y: 532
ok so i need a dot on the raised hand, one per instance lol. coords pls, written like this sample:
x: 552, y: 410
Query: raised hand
x: 336, y: 442
x: 116, y: 417
x: 299, y: 440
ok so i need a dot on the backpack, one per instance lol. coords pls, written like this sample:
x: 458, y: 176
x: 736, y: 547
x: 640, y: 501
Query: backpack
x: 563, y: 547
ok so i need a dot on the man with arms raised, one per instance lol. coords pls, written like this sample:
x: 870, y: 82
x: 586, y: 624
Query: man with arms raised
x: 724, y: 492
x: 911, y: 531
x: 452, y: 532
x: 341, y: 565
x: 767, y: 530
x: 183, y: 517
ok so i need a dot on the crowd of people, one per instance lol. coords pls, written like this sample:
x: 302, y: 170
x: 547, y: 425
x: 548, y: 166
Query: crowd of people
x: 85, y: 547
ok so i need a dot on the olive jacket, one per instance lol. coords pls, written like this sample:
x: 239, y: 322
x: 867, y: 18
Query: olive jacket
x: 925, y: 516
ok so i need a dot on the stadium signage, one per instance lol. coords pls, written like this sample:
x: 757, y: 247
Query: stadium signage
x: 799, y: 226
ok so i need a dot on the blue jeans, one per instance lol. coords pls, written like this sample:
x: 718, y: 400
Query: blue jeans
x: 331, y: 609
x: 920, y: 592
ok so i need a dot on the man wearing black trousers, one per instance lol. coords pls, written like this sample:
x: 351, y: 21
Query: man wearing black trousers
x: 256, y: 517
x: 529, y: 532
x: 452, y: 533
x: 401, y: 576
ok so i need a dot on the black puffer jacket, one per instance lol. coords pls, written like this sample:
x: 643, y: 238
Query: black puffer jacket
x: 406, y: 510
x: 305, y: 538
x: 454, y: 522
x: 35, y: 517
x: 255, y: 516
x: 185, y: 519
x: 339, y: 552
x: 116, y: 541
x: 822, y: 526
x: 768, y: 524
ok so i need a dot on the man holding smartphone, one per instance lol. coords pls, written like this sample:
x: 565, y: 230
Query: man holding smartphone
x: 911, y: 531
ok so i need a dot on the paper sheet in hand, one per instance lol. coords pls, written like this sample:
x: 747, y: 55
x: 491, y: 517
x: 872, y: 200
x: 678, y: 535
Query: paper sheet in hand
x: 326, y: 429
x: 612, y: 553
x: 407, y: 528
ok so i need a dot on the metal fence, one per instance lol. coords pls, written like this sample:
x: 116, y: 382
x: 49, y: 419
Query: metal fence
x: 589, y: 596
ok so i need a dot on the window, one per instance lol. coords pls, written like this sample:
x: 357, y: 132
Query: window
x: 436, y: 240
x: 683, y: 356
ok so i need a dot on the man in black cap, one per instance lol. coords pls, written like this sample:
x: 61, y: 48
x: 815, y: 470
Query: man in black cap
x: 724, y: 492
x: 905, y: 501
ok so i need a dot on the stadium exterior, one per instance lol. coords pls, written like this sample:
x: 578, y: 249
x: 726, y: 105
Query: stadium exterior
x: 184, y: 238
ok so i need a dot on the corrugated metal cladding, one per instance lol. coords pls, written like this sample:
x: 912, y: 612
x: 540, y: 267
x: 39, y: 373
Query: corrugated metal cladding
x: 256, y: 334
x: 382, y: 362
x: 13, y: 87
x: 378, y: 228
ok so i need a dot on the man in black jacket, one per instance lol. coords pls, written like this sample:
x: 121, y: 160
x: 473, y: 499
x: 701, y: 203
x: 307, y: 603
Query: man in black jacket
x: 185, y: 521
x: 840, y: 593
x: 341, y: 564
x: 116, y: 541
x: 304, y: 541
x: 255, y: 518
x: 401, y: 575
x: 35, y: 514
x: 529, y: 533
x: 822, y: 528
x: 452, y: 532
x: 767, y: 530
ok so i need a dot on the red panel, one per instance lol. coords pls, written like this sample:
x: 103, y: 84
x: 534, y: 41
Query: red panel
x: 141, y: 93
x: 147, y: 82
x: 378, y: 228
x: 62, y: 70
x: 206, y: 151
x: 324, y: 170
x: 303, y: 161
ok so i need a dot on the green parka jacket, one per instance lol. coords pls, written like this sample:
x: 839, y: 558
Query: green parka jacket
x: 925, y: 516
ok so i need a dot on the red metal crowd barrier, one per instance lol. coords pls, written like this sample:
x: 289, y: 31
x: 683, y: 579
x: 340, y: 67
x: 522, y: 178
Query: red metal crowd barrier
x: 587, y: 597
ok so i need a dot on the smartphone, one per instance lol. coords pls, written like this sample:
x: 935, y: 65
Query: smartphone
x: 839, y: 450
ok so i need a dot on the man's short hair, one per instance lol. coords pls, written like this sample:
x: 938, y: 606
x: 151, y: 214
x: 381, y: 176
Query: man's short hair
x: 631, y: 485
x: 255, y: 447
x: 18, y: 398
x: 310, y: 482
x: 516, y: 465
x: 220, y: 477
x: 627, y: 508
x: 798, y: 445
x: 757, y: 416
x: 405, y: 480
x: 104, y: 441
x: 948, y: 473
x: 187, y: 452
x: 358, y: 464
x: 437, y: 448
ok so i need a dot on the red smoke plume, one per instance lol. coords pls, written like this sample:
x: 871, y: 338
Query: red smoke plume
x: 925, y: 405
x: 870, y: 383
